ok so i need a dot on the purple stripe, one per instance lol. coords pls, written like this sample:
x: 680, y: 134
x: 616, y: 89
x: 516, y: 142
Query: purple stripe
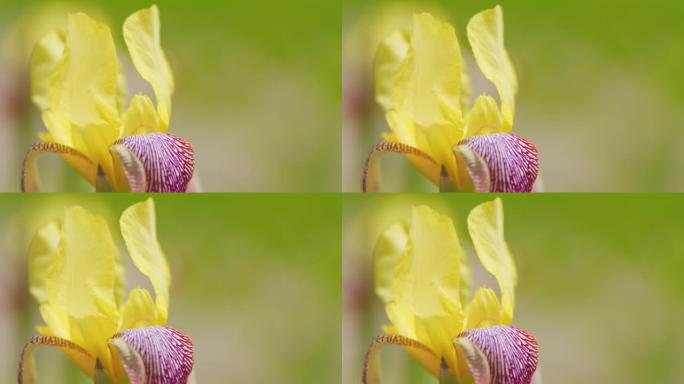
x: 166, y: 353
x: 513, y: 161
x: 512, y: 353
x: 169, y: 161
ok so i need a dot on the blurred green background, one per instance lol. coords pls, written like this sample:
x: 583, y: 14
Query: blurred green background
x: 255, y: 282
x: 257, y: 88
x: 601, y: 90
x: 599, y: 282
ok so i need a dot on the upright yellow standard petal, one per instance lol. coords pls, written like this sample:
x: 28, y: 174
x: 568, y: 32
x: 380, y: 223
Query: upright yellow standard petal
x: 428, y: 84
x: 85, y: 82
x: 486, y: 227
x: 426, y: 303
x: 141, y: 32
x: 486, y: 36
x: 81, y: 281
x: 484, y: 310
x: 46, y: 54
x: 138, y: 311
x: 139, y: 230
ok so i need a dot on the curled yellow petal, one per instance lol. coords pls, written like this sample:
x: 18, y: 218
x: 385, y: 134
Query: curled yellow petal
x: 486, y: 227
x: 138, y: 311
x: 387, y: 253
x: 484, y: 310
x: 46, y: 54
x: 484, y: 118
x: 142, y: 36
x: 42, y: 253
x: 140, y: 118
x: 391, y: 53
x: 139, y: 230
x: 486, y: 36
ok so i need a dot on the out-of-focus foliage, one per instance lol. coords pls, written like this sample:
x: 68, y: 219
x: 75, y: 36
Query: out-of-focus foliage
x: 255, y: 282
x: 599, y: 282
x: 257, y: 87
x: 600, y: 88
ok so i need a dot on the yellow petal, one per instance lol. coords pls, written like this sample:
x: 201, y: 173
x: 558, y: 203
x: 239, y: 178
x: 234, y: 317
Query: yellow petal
x: 80, y: 283
x: 486, y: 227
x: 46, y: 54
x: 387, y: 253
x: 486, y: 36
x: 426, y: 302
x: 138, y: 311
x: 141, y: 32
x: 484, y: 310
x: 42, y: 253
x: 428, y: 84
x: 391, y: 53
x: 484, y: 118
x: 141, y: 117
x: 85, y: 83
x: 139, y: 230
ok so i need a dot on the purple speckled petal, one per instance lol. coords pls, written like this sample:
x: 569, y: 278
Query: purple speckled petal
x: 512, y: 161
x: 165, y: 353
x: 168, y: 160
x: 511, y: 353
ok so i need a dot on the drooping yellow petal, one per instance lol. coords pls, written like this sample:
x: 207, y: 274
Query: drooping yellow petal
x: 426, y: 302
x: 389, y: 249
x: 486, y: 36
x: 139, y: 310
x: 42, y: 253
x: 486, y: 227
x: 428, y: 83
x: 141, y: 117
x: 142, y: 36
x: 139, y: 230
x: 46, y: 54
x: 484, y: 310
x: 84, y: 88
x: 81, y: 281
x: 484, y: 118
x: 391, y: 53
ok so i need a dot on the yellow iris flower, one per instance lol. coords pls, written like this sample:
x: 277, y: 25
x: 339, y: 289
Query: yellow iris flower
x: 422, y: 276
x: 77, y: 277
x: 422, y: 83
x: 77, y: 83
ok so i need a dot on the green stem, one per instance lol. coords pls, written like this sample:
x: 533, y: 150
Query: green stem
x: 445, y: 376
x: 100, y: 374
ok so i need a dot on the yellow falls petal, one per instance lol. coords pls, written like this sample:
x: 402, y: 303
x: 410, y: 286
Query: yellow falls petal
x: 42, y: 253
x: 484, y: 118
x: 142, y: 36
x: 46, y: 54
x: 428, y: 83
x: 486, y: 36
x: 139, y: 230
x: 391, y: 53
x: 426, y: 302
x: 141, y: 117
x: 387, y: 253
x: 484, y: 310
x: 81, y: 281
x: 139, y: 310
x: 486, y: 227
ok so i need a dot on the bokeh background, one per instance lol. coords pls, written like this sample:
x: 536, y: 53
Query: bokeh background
x: 255, y: 282
x: 601, y: 90
x: 257, y: 88
x: 599, y: 282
